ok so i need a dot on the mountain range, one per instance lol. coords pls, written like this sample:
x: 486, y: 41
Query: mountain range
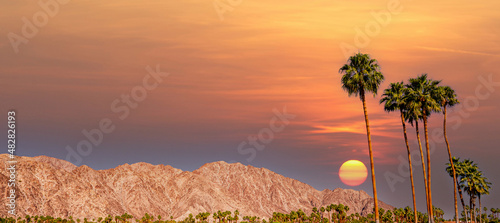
x: 50, y: 186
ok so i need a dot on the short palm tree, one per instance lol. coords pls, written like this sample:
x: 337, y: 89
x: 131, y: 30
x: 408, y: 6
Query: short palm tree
x: 447, y: 98
x: 475, y: 185
x: 424, y: 92
x: 394, y: 100
x: 458, y: 173
x: 473, y: 182
x: 362, y: 75
x: 466, y: 167
x: 484, y: 188
x: 328, y: 209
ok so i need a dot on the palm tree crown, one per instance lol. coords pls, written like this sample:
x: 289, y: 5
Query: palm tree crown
x: 446, y: 96
x: 393, y: 97
x: 424, y: 91
x: 361, y: 74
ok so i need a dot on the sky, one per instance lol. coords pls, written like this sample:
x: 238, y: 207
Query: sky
x: 184, y: 83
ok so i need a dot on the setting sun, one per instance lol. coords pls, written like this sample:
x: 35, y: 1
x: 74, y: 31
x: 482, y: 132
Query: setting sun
x: 353, y: 173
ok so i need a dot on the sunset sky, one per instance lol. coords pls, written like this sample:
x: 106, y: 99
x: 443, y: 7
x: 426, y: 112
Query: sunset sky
x: 228, y: 77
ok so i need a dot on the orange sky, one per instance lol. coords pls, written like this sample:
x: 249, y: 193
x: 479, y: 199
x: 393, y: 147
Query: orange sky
x: 227, y: 76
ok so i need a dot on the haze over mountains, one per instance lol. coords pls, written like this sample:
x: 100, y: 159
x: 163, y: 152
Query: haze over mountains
x: 49, y: 186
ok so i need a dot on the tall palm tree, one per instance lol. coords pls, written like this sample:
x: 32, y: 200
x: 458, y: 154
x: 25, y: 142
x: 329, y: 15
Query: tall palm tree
x: 362, y: 74
x: 413, y: 115
x: 394, y: 99
x: 424, y: 92
x: 447, y: 98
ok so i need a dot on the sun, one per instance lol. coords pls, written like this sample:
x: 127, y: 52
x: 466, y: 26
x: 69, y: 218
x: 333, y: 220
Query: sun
x: 353, y: 173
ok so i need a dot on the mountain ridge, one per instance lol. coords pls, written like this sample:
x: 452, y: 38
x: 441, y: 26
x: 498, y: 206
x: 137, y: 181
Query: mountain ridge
x: 50, y: 186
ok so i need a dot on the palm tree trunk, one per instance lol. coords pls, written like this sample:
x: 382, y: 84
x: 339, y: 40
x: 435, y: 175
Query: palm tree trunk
x: 431, y: 213
x: 462, y: 200
x: 374, y: 184
x: 423, y: 166
x: 480, y: 217
x: 410, y: 166
x: 471, y: 208
x: 474, y: 209
x: 452, y: 165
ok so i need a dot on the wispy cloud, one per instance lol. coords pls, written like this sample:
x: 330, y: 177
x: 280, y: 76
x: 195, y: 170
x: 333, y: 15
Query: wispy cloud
x: 380, y: 127
x: 335, y: 129
x: 456, y: 51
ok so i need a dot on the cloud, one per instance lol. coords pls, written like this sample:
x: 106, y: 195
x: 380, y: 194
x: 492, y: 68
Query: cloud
x: 379, y: 125
x: 456, y: 51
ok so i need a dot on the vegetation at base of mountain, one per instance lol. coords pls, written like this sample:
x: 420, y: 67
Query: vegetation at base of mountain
x: 333, y: 213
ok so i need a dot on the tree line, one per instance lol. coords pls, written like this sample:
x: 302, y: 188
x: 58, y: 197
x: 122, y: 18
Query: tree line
x: 333, y: 213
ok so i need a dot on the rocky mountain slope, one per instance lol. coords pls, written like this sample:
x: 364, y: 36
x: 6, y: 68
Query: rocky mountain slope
x: 49, y: 186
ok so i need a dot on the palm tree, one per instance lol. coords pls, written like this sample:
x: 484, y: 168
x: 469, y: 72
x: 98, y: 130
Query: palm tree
x: 322, y: 210
x: 328, y: 209
x: 477, y: 185
x: 424, y: 92
x: 216, y: 215
x: 398, y: 214
x: 394, y: 99
x: 413, y: 115
x: 334, y: 209
x: 362, y: 74
x: 484, y: 189
x: 494, y: 213
x: 458, y: 172
x: 406, y: 212
x: 470, y: 187
x: 474, y: 183
x: 438, y: 214
x: 447, y: 98
x: 467, y: 167
x: 342, y: 212
x: 236, y: 216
